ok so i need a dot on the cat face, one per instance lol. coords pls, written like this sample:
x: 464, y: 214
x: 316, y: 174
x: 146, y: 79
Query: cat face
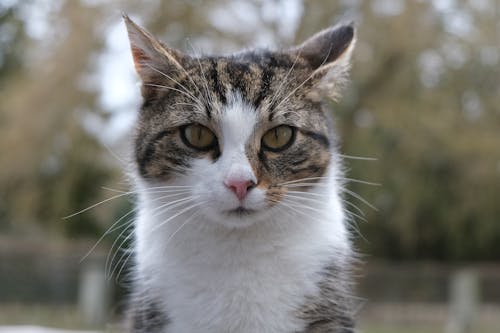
x: 236, y: 131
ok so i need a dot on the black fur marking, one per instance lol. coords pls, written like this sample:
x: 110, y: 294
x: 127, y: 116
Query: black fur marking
x: 216, y: 153
x: 302, y: 160
x: 317, y: 136
x: 152, y: 164
x: 310, y: 169
x: 237, y: 72
x: 265, y: 85
x: 263, y: 159
x: 147, y: 318
x: 174, y: 159
x: 277, y: 60
x: 208, y: 110
x: 146, y: 155
x: 214, y: 77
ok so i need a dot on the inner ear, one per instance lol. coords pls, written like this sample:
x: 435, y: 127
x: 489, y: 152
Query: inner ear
x: 327, y: 46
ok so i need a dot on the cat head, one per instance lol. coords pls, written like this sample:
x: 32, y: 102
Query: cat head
x: 232, y: 133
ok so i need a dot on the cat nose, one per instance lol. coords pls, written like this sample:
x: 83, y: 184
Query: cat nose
x: 240, y: 187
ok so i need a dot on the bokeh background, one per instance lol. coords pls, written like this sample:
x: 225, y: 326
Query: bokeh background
x: 420, y: 119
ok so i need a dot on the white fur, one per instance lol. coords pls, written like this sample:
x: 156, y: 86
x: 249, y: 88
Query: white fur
x: 218, y: 274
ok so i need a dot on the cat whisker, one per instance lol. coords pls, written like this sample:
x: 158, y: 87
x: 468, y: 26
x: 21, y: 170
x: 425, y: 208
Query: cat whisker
x: 302, y: 180
x: 209, y: 97
x: 162, y: 190
x: 279, y: 90
x: 350, y: 214
x: 186, y: 90
x: 360, y: 198
x: 295, y: 204
x: 349, y: 218
x: 185, y: 104
x: 169, y: 187
x: 303, y: 82
x: 173, y: 89
x: 294, y: 207
x: 347, y: 202
x: 305, y: 185
x: 189, y: 219
x: 163, y: 197
x: 315, y: 200
x: 351, y: 157
x: 125, y: 256
x: 112, y: 228
x: 172, y: 192
x: 122, y: 194
x: 352, y: 180
x: 124, y: 260
x: 351, y: 223
x: 167, y: 194
x: 199, y: 64
x: 115, y: 155
x: 96, y: 204
x: 170, y: 205
x: 114, y: 190
x: 292, y: 199
x: 319, y: 195
x: 178, y: 214
x: 110, y: 260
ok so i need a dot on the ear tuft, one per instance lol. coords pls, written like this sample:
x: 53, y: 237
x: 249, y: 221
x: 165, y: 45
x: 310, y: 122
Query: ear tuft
x: 150, y: 56
x: 328, y: 45
x: 329, y: 54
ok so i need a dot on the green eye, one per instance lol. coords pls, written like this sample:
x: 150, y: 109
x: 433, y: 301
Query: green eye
x: 198, y: 137
x: 278, y: 138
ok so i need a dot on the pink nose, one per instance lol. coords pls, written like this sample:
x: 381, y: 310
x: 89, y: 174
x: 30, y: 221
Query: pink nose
x: 240, y: 187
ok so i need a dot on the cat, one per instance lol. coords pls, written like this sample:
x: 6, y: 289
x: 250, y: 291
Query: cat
x: 240, y: 225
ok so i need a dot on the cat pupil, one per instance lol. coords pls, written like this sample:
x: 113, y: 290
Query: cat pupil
x: 199, y: 133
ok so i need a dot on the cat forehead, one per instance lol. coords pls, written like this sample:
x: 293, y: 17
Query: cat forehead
x: 269, y: 82
x: 256, y: 61
x: 253, y: 74
x: 263, y: 83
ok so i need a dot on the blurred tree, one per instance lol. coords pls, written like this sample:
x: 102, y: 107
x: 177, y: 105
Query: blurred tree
x: 11, y: 43
x: 50, y: 165
x: 423, y: 100
x: 425, y: 103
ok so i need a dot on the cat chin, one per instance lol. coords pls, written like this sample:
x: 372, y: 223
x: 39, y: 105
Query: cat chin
x: 239, y: 218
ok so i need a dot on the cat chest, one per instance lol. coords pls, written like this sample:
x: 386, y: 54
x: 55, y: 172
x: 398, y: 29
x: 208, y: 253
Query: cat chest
x: 253, y: 295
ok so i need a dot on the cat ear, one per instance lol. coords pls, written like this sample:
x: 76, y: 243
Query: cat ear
x: 151, y: 57
x: 329, y: 54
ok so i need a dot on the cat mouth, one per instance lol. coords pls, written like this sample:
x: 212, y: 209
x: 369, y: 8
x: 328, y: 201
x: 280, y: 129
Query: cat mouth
x: 240, y: 212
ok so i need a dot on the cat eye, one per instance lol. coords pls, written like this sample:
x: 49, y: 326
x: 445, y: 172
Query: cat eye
x: 278, y: 138
x: 198, y: 137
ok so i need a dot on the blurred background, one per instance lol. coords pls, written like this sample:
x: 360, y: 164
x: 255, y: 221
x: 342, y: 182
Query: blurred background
x: 421, y: 119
